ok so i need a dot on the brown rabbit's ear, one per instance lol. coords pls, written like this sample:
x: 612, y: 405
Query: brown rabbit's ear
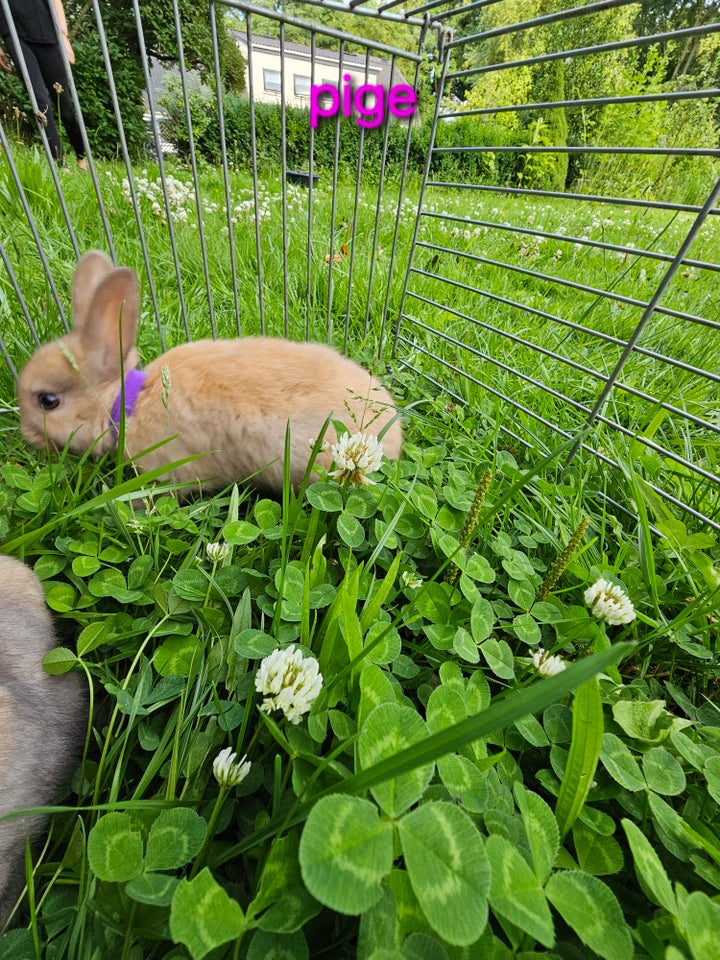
x: 112, y: 320
x: 90, y: 270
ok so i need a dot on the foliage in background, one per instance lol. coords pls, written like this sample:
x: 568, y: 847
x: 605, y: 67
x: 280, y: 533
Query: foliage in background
x: 397, y: 35
x: 550, y: 87
x: 465, y: 145
x: 124, y: 50
x: 481, y: 167
x: 658, y: 68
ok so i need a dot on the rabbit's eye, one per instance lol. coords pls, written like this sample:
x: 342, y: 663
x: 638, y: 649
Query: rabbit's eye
x: 48, y: 401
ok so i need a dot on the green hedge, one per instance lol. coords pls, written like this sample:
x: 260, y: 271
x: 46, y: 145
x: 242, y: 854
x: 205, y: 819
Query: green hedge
x: 466, y: 167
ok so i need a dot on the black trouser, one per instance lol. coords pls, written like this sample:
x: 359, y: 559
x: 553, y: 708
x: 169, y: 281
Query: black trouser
x: 45, y: 68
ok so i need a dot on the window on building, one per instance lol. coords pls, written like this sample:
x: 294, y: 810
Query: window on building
x: 302, y: 86
x: 271, y: 80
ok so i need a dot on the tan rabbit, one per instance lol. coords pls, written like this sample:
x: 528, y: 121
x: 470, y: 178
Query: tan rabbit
x: 42, y: 720
x: 229, y: 400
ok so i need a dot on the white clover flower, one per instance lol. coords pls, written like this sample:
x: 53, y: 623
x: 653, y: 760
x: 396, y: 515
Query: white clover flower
x: 355, y: 457
x: 411, y: 580
x: 228, y: 770
x: 289, y: 682
x: 547, y: 665
x: 323, y: 446
x: 217, y: 551
x: 609, y: 602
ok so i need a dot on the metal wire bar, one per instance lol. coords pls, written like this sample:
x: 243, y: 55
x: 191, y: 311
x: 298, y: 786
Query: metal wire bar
x: 662, y: 287
x: 161, y: 164
x: 256, y: 200
x: 39, y: 115
x: 569, y: 13
x: 376, y: 235
x: 283, y: 179
x: 612, y: 151
x: 568, y: 238
x: 356, y: 7
x: 86, y: 145
x: 193, y: 165
x: 224, y: 158
x: 23, y: 71
x: 33, y: 229
x: 311, y: 190
x: 454, y: 12
x: 128, y: 167
x: 671, y: 96
x: 569, y: 195
x: 333, y: 205
x: 7, y: 359
x: 398, y: 211
x: 23, y: 307
x: 356, y: 206
x: 597, y: 292
x: 671, y: 35
x: 551, y: 354
x: 423, y: 188
x: 505, y: 398
x: 319, y: 28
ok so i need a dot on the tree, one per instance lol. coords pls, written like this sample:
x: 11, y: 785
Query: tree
x: 391, y: 33
x: 124, y: 49
x: 662, y: 16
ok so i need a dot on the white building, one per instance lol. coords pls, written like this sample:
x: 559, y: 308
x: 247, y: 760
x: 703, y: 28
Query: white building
x: 268, y: 76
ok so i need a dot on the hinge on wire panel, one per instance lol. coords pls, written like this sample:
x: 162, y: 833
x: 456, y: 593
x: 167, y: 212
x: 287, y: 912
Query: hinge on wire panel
x: 445, y: 35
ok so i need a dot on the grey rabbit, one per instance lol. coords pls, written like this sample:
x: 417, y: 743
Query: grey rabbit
x: 42, y: 721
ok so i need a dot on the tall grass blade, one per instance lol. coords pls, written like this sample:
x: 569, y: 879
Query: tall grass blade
x: 585, y: 744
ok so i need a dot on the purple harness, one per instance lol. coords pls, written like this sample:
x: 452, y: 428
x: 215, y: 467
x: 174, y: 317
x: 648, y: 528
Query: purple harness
x: 134, y: 380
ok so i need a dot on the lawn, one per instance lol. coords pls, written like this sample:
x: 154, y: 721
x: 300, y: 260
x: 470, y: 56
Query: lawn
x: 492, y: 767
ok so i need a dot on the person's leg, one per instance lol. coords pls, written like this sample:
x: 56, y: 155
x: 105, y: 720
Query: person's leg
x: 41, y: 93
x: 53, y: 70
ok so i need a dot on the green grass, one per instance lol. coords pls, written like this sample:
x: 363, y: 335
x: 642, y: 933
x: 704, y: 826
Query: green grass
x: 435, y: 761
